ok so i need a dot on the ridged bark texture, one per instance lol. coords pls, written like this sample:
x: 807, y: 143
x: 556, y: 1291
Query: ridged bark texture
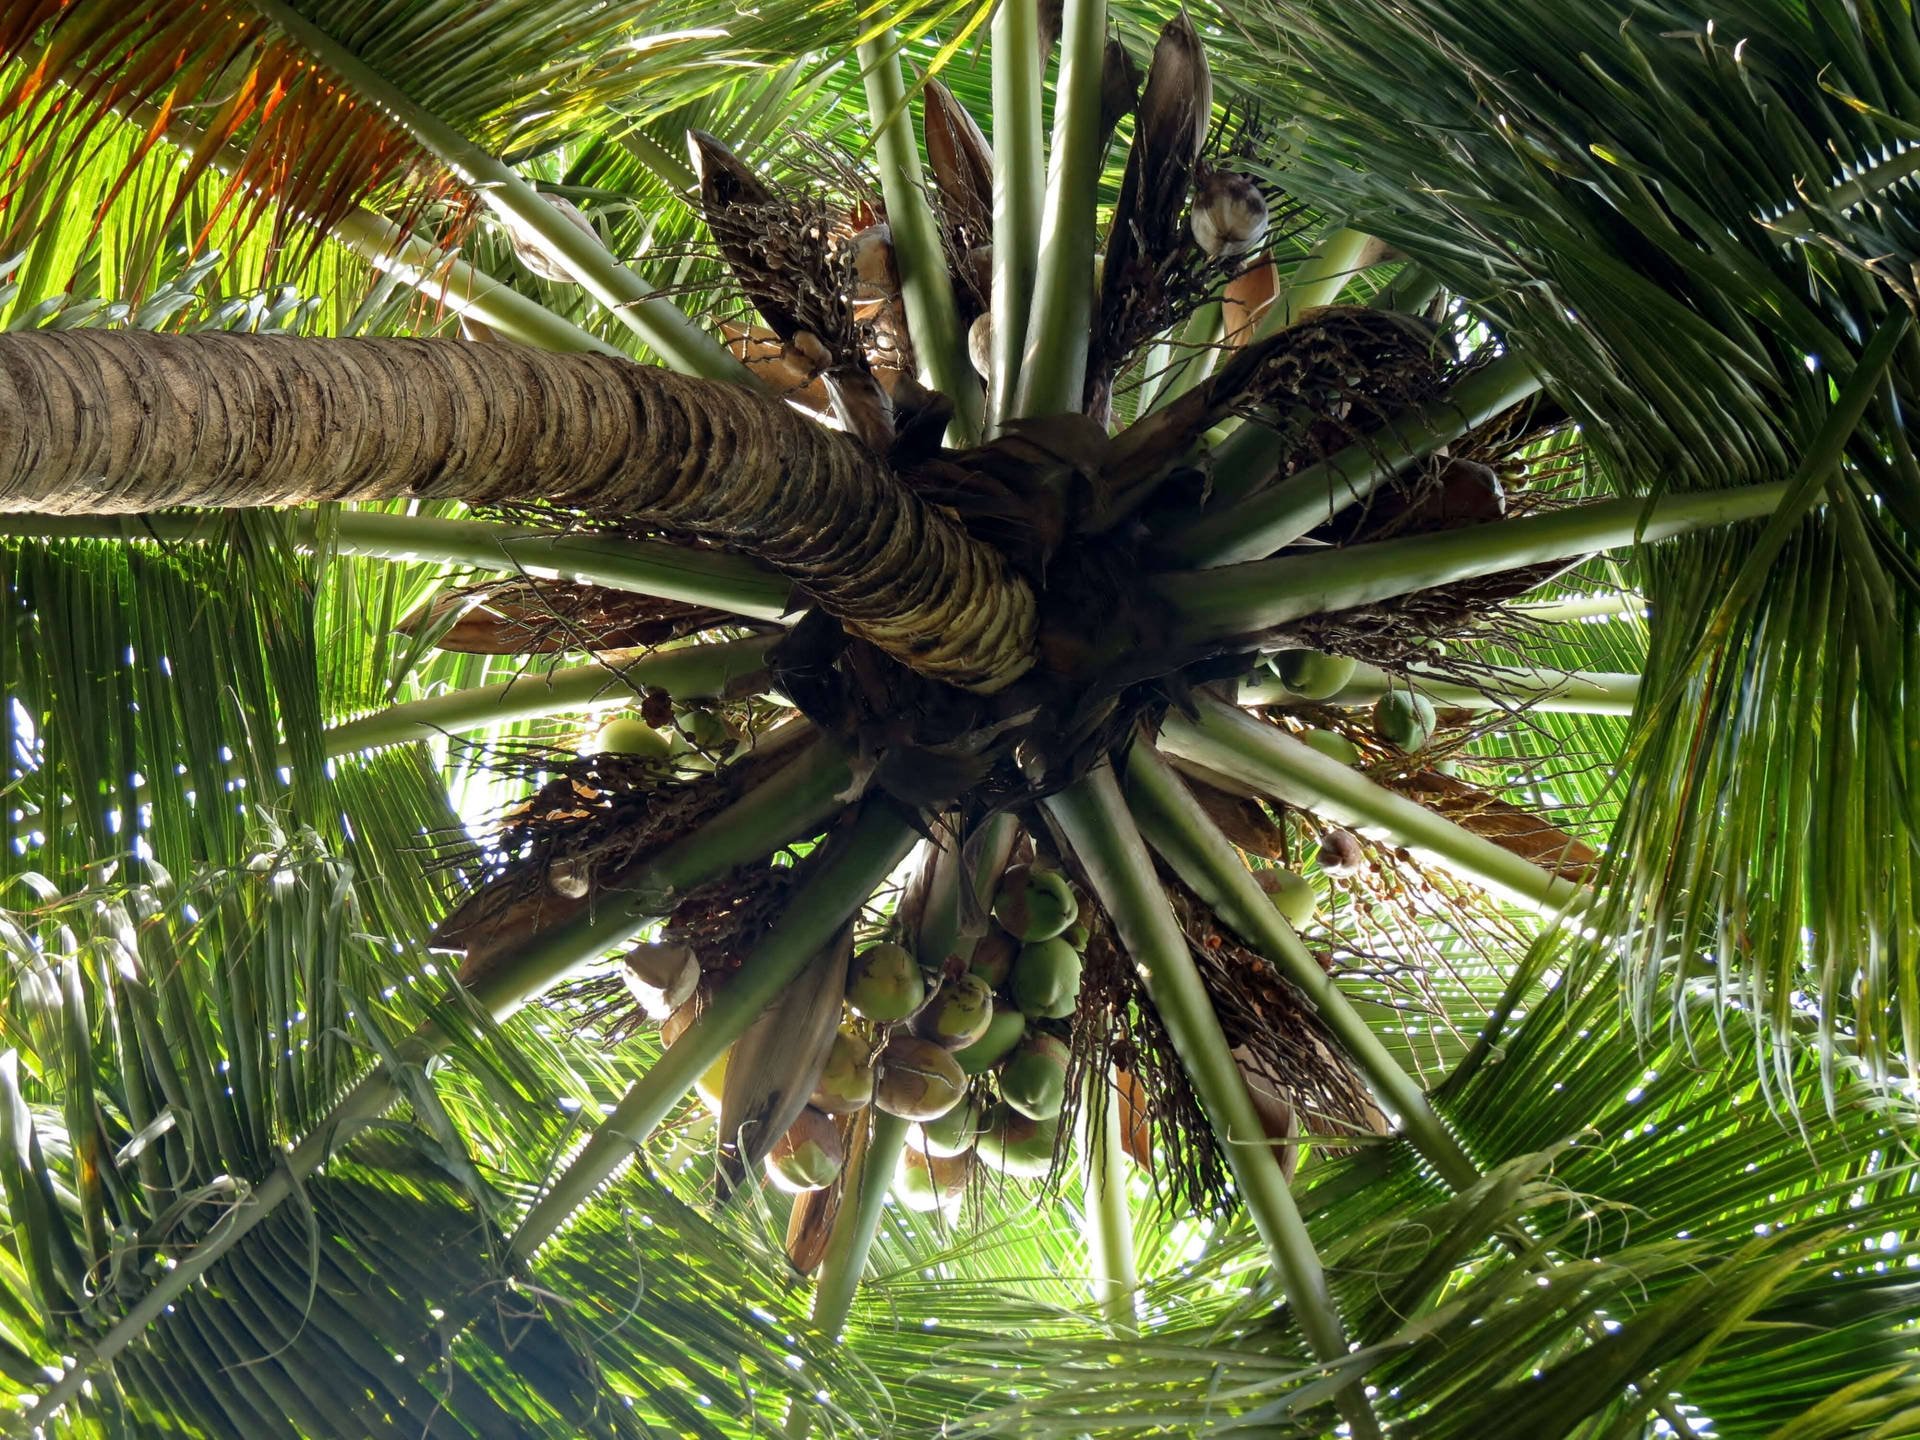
x: 114, y: 422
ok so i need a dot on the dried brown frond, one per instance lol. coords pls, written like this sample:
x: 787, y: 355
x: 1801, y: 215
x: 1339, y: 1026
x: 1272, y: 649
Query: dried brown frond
x: 1514, y: 828
x: 287, y: 131
x: 799, y: 258
x: 529, y: 616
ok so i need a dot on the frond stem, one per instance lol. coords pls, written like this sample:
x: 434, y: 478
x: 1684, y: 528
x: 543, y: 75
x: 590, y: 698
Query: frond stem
x: 1097, y: 826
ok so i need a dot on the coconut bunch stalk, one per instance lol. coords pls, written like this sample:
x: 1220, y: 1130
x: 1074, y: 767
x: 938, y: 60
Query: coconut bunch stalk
x: 800, y: 269
x: 595, y: 826
x: 1148, y: 229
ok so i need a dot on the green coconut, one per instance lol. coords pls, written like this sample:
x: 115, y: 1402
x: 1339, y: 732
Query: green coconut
x: 953, y: 1133
x: 1293, y: 896
x: 1403, y: 719
x: 931, y: 1182
x: 1034, y: 904
x: 1034, y: 1079
x: 1003, y: 1032
x: 1332, y: 744
x: 1046, y: 979
x: 1015, y: 1145
x: 705, y: 729
x: 993, y: 956
x: 917, y: 1079
x: 808, y: 1156
x: 1311, y: 674
x: 885, y: 983
x: 846, y: 1084
x: 629, y: 735
x: 958, y: 1014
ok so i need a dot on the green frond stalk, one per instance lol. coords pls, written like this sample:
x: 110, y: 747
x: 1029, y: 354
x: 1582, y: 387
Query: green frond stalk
x: 713, y: 578
x: 1019, y: 192
x: 1175, y: 825
x: 449, y: 281
x: 856, y: 864
x: 1240, y: 525
x: 1499, y: 688
x: 1094, y: 819
x: 1053, y: 369
x: 1575, y: 608
x: 689, y: 672
x: 1246, y: 599
x: 1409, y: 292
x: 679, y: 343
x: 1232, y: 743
x: 926, y: 289
x: 851, y: 1239
x: 1175, y: 367
x: 1112, y: 1266
x: 1316, y: 280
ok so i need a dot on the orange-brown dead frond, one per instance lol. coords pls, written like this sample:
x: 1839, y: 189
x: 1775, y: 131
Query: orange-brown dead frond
x: 215, y: 81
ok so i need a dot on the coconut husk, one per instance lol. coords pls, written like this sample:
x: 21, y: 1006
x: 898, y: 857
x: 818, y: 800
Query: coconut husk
x: 962, y: 166
x: 776, y: 1064
x: 1148, y: 228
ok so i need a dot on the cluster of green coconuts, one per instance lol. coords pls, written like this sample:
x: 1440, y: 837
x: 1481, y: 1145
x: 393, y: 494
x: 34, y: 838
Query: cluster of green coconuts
x: 1400, y: 717
x: 935, y: 1035
x: 627, y: 734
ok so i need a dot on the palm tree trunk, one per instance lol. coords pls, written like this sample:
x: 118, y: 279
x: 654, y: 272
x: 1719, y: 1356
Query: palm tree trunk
x: 116, y: 422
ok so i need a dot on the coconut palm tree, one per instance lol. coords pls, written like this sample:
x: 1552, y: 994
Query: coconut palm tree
x: 1102, y: 526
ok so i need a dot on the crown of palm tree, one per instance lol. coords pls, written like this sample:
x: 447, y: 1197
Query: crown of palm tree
x: 1083, y: 456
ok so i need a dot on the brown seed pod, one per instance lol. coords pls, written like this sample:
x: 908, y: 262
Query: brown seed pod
x: 1341, y: 852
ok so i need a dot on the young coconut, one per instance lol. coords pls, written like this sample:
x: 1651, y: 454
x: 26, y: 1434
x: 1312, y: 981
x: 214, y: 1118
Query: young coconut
x: 1332, y: 744
x: 958, y: 1014
x: 1081, y: 930
x: 1046, y: 979
x: 628, y: 735
x: 1034, y: 904
x: 993, y: 956
x: 932, y: 1182
x: 1229, y: 215
x: 953, y: 1133
x: 1003, y: 1032
x: 571, y: 877
x: 917, y: 1080
x: 808, y: 1156
x: 1403, y: 719
x: 713, y: 1084
x: 846, y: 1084
x: 885, y: 983
x: 705, y: 729
x: 1034, y: 1079
x: 1311, y: 674
x: 1293, y: 895
x: 1341, y: 853
x: 1017, y: 1146
x: 980, y: 344
x: 661, y: 978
